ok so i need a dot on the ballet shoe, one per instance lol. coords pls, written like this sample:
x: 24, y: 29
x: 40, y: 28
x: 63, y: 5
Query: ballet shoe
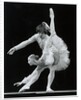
x: 49, y: 90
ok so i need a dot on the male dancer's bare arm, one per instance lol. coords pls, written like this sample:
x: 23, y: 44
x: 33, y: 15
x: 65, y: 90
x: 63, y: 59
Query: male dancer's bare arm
x: 22, y: 44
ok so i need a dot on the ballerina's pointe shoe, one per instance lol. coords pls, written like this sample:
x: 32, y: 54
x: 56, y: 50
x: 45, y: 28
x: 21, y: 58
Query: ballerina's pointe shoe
x: 49, y: 90
x: 51, y: 13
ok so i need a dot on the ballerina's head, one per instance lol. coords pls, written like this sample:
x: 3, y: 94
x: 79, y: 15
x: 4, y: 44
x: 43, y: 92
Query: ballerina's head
x: 43, y: 28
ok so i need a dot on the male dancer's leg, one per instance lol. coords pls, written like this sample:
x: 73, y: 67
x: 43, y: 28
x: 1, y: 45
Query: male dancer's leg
x: 31, y: 79
x: 27, y: 79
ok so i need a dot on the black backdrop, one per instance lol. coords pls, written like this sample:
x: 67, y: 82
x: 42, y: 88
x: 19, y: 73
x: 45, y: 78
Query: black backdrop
x: 20, y: 21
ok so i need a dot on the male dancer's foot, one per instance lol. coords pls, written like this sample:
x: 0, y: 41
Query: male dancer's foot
x: 24, y: 81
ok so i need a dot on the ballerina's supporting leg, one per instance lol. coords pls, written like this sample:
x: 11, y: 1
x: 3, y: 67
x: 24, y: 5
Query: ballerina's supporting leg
x: 51, y: 77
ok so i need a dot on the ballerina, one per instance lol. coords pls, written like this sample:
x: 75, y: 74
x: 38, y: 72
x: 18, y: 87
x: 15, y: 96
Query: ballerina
x: 55, y: 54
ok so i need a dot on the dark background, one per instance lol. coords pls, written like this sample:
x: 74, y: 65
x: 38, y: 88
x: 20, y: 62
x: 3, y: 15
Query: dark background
x: 20, y: 21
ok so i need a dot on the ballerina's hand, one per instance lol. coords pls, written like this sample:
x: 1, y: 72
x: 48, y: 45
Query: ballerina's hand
x: 11, y: 51
x: 51, y: 13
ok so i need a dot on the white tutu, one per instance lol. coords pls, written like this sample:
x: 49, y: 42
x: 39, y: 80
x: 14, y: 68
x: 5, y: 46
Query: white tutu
x: 56, y: 53
x: 61, y: 53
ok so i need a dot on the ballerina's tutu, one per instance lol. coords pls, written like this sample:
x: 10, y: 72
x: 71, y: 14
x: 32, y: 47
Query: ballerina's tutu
x: 61, y: 53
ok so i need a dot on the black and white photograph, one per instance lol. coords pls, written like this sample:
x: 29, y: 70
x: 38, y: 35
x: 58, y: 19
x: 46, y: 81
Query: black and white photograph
x: 39, y: 49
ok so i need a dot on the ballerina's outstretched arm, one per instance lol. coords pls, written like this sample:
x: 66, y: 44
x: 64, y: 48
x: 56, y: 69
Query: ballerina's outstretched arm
x: 22, y: 44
